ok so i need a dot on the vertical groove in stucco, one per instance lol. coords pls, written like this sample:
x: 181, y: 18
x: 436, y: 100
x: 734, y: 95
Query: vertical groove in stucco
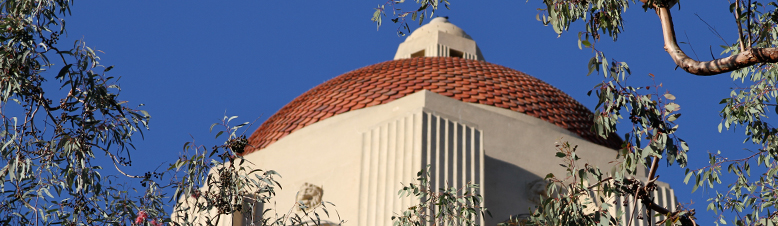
x: 479, y: 161
x: 673, y: 199
x: 382, y: 175
x: 467, y: 158
x: 628, y: 210
x: 394, y: 151
x: 468, y: 55
x: 659, y: 199
x: 450, y: 137
x: 663, y: 196
x: 459, y: 159
x: 400, y: 171
x: 390, y: 156
x: 435, y: 153
x: 619, y: 205
x: 409, y: 157
x: 364, y: 177
x: 426, y: 143
x: 391, y: 170
x: 439, y: 153
x: 479, y: 165
x: 373, y: 175
x: 417, y: 155
x: 446, y: 160
x: 454, y: 151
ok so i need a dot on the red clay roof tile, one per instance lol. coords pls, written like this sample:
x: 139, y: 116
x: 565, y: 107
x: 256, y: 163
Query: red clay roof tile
x: 465, y: 80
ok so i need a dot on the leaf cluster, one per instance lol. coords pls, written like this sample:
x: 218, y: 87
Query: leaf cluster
x: 51, y: 138
x: 213, y: 184
x: 449, y: 206
x: 427, y: 8
x: 583, y: 197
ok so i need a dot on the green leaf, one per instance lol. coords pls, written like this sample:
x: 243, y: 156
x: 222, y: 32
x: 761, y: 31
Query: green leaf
x: 688, y: 176
x: 671, y: 107
x: 673, y: 117
x: 586, y: 43
x: 63, y: 71
x: 592, y: 65
x: 48, y: 193
x: 560, y: 155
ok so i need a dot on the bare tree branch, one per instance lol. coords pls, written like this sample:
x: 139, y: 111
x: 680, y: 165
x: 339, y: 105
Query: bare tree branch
x: 739, y: 26
x: 648, y: 202
x: 748, y: 25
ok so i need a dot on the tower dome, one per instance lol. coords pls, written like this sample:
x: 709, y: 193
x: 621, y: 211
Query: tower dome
x: 438, y: 106
x: 466, y: 80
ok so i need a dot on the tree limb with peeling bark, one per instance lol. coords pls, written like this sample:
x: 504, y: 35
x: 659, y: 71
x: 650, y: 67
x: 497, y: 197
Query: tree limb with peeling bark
x: 746, y: 57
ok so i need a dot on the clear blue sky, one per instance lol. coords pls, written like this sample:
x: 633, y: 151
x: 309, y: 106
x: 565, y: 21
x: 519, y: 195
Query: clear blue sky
x: 189, y: 62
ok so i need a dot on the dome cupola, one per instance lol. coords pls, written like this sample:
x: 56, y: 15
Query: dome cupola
x: 439, y: 38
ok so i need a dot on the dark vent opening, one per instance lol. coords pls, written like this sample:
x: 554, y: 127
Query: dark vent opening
x: 454, y: 53
x: 418, y: 54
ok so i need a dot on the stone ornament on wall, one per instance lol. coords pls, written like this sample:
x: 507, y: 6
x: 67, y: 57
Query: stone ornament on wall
x: 309, y: 197
x: 536, y: 190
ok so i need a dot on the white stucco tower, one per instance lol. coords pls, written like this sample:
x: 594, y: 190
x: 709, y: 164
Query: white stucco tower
x: 357, y: 138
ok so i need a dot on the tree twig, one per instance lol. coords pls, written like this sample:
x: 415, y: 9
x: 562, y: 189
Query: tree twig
x: 739, y: 26
x: 748, y: 25
x: 712, y: 30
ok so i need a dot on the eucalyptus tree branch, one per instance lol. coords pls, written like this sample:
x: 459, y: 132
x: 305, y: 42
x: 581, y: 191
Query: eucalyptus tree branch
x: 634, y: 208
x: 748, y: 25
x: 114, y: 160
x: 739, y: 26
x: 599, y: 182
x: 743, y: 59
x: 644, y: 194
x: 652, y: 171
x: 649, y: 203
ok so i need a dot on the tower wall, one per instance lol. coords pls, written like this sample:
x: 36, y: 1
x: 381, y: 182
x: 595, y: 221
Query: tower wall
x: 362, y: 158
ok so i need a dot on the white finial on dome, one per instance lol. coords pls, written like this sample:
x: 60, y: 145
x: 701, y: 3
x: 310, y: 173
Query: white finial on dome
x: 439, y: 38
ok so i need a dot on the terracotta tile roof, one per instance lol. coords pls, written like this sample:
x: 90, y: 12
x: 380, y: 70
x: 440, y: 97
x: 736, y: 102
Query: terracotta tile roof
x: 462, y: 79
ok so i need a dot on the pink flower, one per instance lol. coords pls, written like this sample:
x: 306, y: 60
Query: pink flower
x: 142, y: 215
x: 155, y: 223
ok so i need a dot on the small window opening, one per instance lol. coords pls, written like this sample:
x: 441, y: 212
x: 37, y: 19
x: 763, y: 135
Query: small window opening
x: 454, y: 53
x: 418, y: 54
